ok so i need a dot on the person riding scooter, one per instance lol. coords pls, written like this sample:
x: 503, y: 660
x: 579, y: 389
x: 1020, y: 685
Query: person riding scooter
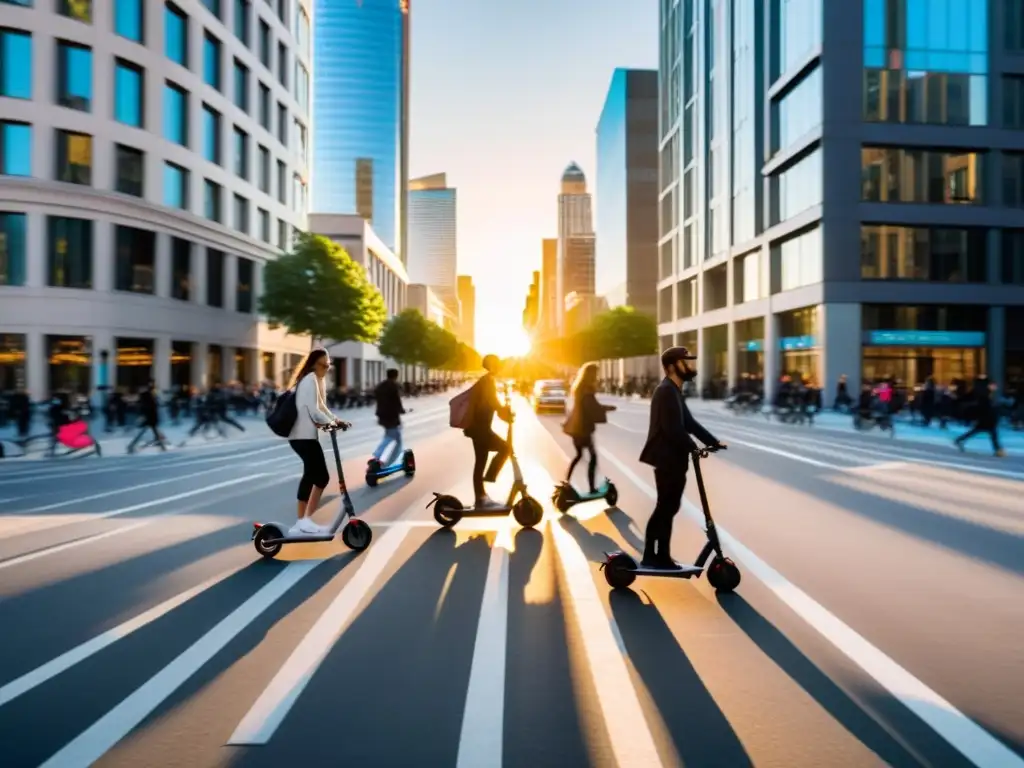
x: 485, y: 404
x: 586, y: 414
x: 668, y: 450
x: 388, y: 397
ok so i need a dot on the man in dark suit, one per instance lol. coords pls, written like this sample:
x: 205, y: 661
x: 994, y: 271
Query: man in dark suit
x: 668, y: 450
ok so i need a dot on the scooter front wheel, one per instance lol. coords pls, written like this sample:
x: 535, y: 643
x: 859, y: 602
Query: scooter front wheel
x: 723, y: 574
x: 528, y: 512
x: 620, y: 571
x: 356, y: 535
x: 611, y: 496
x: 269, y: 551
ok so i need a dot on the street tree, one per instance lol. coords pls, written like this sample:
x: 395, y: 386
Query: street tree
x: 441, y: 348
x: 622, y: 332
x: 317, y: 290
x: 404, y: 338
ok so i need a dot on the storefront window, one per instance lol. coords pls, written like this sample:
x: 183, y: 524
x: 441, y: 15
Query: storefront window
x: 12, y: 362
x: 70, y: 364
x: 911, y: 366
x: 214, y: 364
x: 269, y: 366
x: 181, y: 364
x: 134, y: 363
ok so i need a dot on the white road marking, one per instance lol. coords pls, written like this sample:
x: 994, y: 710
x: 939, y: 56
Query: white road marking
x: 786, y: 454
x: 966, y: 736
x: 883, y: 467
x: 65, y: 661
x: 266, y: 715
x: 105, y: 733
x: 482, y: 741
x: 28, y: 557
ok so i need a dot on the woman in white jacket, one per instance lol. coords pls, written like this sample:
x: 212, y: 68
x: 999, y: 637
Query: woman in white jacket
x: 311, y: 403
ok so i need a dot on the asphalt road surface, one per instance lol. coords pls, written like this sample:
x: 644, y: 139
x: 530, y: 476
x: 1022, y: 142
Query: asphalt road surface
x: 880, y: 619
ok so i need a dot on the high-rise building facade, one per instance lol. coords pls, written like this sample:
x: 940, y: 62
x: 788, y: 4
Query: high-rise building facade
x: 807, y: 232
x: 431, y: 254
x: 626, y: 258
x: 547, y: 311
x: 531, y: 308
x: 575, y: 270
x: 467, y: 310
x: 153, y: 159
x: 360, y: 113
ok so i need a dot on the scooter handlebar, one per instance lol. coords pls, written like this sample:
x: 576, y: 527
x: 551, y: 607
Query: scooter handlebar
x: 335, y: 427
x: 703, y: 453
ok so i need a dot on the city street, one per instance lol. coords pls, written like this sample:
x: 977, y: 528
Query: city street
x: 879, y: 620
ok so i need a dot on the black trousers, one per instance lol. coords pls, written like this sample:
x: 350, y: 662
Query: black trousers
x: 670, y: 484
x: 482, y: 446
x: 583, y: 444
x: 988, y: 426
x: 314, y: 467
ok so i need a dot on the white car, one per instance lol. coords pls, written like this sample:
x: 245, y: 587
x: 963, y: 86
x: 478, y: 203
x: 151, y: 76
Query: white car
x: 549, y: 395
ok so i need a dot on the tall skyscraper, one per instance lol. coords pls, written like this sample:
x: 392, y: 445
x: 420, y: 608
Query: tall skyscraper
x: 547, y: 319
x: 467, y: 310
x: 575, y: 271
x: 856, y: 236
x: 431, y: 252
x: 626, y: 259
x: 531, y: 308
x: 360, y: 134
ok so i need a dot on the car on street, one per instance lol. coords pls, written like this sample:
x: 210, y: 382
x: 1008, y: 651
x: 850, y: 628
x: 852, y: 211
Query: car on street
x: 549, y: 396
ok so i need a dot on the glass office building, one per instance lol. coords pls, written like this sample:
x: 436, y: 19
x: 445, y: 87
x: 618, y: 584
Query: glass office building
x: 803, y: 231
x: 360, y: 112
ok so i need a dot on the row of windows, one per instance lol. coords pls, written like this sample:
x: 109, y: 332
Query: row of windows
x: 799, y: 261
x: 946, y: 36
x: 894, y: 175
x: 924, y: 254
x: 933, y: 98
x: 799, y: 30
x: 798, y: 112
x: 797, y: 188
x: 74, y: 165
x: 70, y: 257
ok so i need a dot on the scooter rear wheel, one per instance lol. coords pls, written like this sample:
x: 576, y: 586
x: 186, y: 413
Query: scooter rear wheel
x: 447, y: 511
x: 559, y: 500
x: 371, y: 480
x: 611, y: 496
x: 356, y: 535
x: 723, y: 574
x: 528, y: 512
x: 620, y: 571
x: 268, y: 551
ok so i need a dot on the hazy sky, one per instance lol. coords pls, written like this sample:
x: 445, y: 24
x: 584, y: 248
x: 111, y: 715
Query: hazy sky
x: 504, y: 96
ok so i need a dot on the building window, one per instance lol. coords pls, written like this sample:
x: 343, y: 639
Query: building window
x: 303, y: 145
x: 924, y: 254
x: 935, y: 98
x: 797, y: 188
x: 241, y: 206
x: 181, y: 269
x: 135, y: 259
x: 241, y: 153
x: 79, y: 10
x: 1013, y: 256
x: 70, y: 252
x: 13, y: 244
x: 282, y: 64
x: 302, y: 87
x: 241, y: 73
x: 797, y: 113
x: 211, y: 61
x: 282, y: 235
x: 797, y: 261
x: 282, y: 11
x: 282, y: 183
x: 892, y: 175
x: 74, y: 157
x: 129, y: 91
x: 242, y: 21
x: 243, y: 288
x: 1013, y: 180
x: 299, y: 194
x: 364, y: 187
x: 264, y: 225
x: 282, y: 124
x: 74, y: 76
x: 130, y: 166
x: 129, y: 20
x: 213, y: 6
x: 265, y: 44
x: 15, y: 149
x: 213, y: 201
x: 265, y: 107
x: 264, y: 170
x: 211, y: 135
x: 214, y: 277
x: 176, y: 34
x: 175, y: 186
x: 799, y: 32
x: 302, y: 30
x: 175, y: 114
x: 15, y: 64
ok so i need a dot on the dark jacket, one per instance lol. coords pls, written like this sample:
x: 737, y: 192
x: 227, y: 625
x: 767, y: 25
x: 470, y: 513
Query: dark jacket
x: 389, y: 404
x: 586, y: 414
x: 485, y: 404
x: 669, y: 443
x: 149, y: 408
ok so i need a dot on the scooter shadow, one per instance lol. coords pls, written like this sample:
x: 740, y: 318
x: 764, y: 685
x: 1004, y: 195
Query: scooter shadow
x: 624, y: 525
x: 594, y: 545
x: 845, y: 710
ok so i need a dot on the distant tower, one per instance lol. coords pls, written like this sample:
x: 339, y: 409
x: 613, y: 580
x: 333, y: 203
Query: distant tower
x: 575, y: 270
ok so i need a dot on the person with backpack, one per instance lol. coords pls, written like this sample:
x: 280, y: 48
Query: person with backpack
x: 298, y: 414
x: 473, y: 411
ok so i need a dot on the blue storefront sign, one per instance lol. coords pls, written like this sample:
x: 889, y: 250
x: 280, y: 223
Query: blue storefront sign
x: 787, y: 344
x: 925, y: 339
x: 754, y: 345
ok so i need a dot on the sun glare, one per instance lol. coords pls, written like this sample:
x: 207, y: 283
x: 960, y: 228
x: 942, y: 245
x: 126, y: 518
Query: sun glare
x: 504, y: 340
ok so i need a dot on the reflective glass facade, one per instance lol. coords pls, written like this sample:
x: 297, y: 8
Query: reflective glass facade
x: 128, y: 19
x: 357, y: 111
x: 15, y: 64
x: 128, y: 94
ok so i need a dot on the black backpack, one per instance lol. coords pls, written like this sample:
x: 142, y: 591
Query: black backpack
x: 283, y: 415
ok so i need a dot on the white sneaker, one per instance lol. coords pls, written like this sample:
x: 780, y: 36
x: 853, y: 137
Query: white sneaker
x: 306, y: 526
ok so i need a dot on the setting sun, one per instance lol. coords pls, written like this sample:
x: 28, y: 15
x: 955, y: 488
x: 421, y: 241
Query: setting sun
x: 504, y: 339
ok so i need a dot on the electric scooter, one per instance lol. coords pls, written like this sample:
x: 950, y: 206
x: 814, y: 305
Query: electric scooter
x: 268, y: 538
x: 565, y: 496
x: 621, y: 569
x: 527, y: 511
x: 375, y: 471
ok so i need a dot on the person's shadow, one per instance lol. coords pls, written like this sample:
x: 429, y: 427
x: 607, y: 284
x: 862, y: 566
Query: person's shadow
x: 594, y: 545
x: 625, y: 526
x: 685, y: 705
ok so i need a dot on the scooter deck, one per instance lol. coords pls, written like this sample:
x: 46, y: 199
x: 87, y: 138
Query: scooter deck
x: 682, y: 572
x: 474, y: 512
x: 387, y: 471
x: 305, y: 538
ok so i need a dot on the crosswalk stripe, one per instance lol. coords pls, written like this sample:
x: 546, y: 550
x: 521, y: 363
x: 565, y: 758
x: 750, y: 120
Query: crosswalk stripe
x: 105, y: 733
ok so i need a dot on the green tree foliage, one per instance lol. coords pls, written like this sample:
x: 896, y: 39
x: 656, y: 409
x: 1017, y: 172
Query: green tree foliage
x: 441, y: 349
x: 623, y: 332
x: 318, y: 290
x: 404, y: 337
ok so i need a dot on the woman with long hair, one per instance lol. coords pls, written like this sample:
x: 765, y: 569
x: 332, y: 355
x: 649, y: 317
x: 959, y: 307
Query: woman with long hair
x: 583, y: 419
x: 311, y: 404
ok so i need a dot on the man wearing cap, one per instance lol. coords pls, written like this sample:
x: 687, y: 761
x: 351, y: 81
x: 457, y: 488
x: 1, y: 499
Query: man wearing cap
x: 668, y: 450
